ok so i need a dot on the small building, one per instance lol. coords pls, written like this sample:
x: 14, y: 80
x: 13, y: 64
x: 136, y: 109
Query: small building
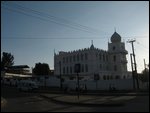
x: 18, y: 69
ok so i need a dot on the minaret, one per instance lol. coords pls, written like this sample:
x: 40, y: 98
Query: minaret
x: 116, y: 49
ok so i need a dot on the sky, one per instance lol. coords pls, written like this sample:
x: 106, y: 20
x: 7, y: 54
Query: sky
x: 33, y: 30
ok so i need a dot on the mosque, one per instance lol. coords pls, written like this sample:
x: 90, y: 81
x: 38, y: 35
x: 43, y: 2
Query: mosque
x: 106, y: 64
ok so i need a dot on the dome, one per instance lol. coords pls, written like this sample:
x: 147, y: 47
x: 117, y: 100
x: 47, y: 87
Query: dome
x: 115, y: 37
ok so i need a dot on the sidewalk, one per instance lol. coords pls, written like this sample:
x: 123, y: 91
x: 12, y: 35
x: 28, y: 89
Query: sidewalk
x: 86, y: 100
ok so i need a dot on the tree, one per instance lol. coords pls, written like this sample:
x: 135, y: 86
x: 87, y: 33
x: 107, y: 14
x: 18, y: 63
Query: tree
x: 7, y: 60
x: 41, y: 69
x: 144, y: 77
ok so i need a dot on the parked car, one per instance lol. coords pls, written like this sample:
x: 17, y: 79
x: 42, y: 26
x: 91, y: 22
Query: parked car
x: 27, y: 85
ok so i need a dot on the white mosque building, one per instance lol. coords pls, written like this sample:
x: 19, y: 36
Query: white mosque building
x: 107, y: 64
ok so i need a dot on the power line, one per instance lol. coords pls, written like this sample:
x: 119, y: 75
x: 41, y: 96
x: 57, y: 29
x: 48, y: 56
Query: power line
x: 54, y: 21
x: 54, y: 17
x: 142, y: 45
x: 80, y: 27
x: 53, y: 37
x: 48, y: 20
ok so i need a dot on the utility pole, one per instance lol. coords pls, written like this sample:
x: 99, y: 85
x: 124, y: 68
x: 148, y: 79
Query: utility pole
x: 145, y: 72
x: 144, y: 64
x: 135, y: 71
x: 133, y: 76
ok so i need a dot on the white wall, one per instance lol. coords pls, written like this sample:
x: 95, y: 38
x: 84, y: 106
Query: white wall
x: 119, y: 84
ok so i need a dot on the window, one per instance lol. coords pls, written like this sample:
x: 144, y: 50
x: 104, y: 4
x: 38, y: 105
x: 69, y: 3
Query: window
x: 77, y: 57
x: 103, y: 57
x: 111, y: 77
x: 104, y: 77
x: 106, y: 57
x: 86, y: 56
x: 63, y: 59
x: 124, y: 77
x: 114, y: 58
x: 71, y: 70
x: 63, y: 70
x: 107, y: 77
x: 70, y: 58
x: 67, y: 70
x: 107, y: 67
x: 100, y: 66
x: 100, y: 56
x: 96, y: 55
x: 114, y: 47
x: 115, y: 68
x: 74, y: 58
x: 66, y: 59
x: 81, y: 57
x: 117, y: 77
x: 82, y: 68
x: 86, y: 68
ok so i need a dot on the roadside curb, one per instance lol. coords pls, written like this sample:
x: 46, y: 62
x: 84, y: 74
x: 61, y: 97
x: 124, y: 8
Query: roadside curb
x: 99, y: 94
x: 107, y: 104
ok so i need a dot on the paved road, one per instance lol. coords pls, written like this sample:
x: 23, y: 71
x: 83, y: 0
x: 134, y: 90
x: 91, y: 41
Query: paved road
x: 33, y: 102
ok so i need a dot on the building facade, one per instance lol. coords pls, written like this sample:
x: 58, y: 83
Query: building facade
x: 110, y: 64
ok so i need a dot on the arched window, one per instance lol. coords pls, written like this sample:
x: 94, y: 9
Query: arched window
x: 107, y: 77
x: 86, y: 56
x: 86, y: 68
x: 117, y: 77
x: 63, y: 70
x: 82, y: 68
x: 111, y: 77
x: 124, y: 77
x: 106, y: 57
x: 100, y: 66
x: 114, y: 58
x: 77, y: 57
x: 74, y: 58
x: 71, y: 70
x: 70, y: 58
x: 66, y: 59
x: 99, y: 56
x: 104, y: 77
x: 103, y: 57
x: 114, y: 47
x: 67, y: 70
x: 96, y: 55
x: 63, y: 59
x: 81, y: 57
x: 115, y: 68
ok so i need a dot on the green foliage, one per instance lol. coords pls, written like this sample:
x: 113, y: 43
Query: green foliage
x: 41, y: 69
x: 7, y: 60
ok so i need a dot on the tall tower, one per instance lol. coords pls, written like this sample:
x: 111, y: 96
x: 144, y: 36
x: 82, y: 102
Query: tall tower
x: 117, y: 56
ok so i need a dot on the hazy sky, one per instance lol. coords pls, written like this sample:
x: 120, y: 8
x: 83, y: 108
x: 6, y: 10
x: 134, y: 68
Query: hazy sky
x: 31, y: 30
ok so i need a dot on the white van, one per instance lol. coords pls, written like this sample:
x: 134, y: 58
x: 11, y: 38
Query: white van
x: 27, y: 85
